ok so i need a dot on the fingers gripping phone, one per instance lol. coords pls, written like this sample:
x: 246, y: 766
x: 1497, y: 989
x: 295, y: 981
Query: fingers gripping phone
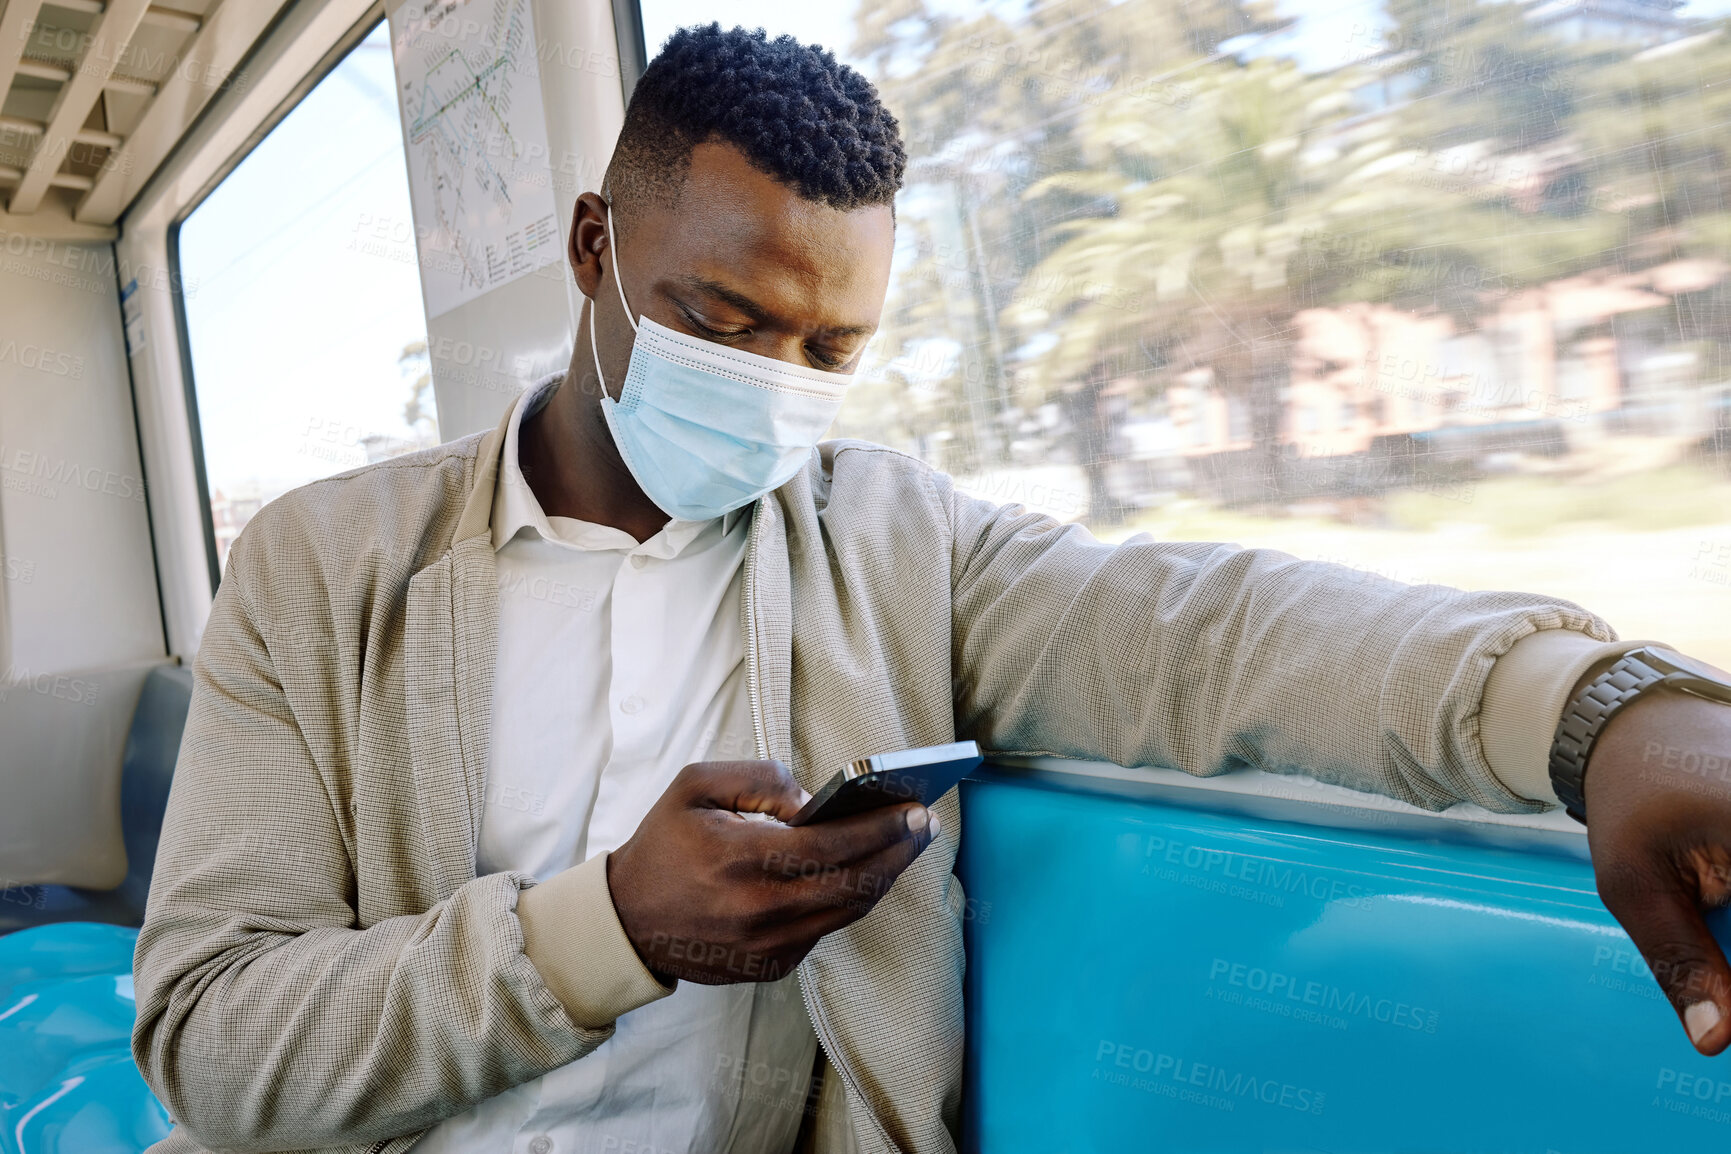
x: 921, y: 775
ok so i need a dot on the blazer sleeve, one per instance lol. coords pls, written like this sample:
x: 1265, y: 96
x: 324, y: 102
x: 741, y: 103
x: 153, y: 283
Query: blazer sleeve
x: 267, y: 1020
x: 1208, y: 657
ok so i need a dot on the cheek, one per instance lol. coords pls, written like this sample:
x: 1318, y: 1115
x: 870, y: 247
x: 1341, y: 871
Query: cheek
x: 613, y: 342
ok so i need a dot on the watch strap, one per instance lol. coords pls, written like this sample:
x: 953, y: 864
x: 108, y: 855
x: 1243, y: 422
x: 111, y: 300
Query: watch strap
x: 1585, y: 716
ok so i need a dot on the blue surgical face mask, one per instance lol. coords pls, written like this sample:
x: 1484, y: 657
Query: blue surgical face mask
x: 704, y: 428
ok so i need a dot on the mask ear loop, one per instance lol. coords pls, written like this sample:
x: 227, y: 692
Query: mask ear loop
x: 594, y: 351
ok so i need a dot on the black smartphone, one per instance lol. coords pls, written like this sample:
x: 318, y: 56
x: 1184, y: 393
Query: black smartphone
x: 921, y: 775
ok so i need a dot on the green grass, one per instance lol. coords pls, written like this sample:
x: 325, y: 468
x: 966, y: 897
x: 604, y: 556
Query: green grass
x: 1675, y: 497
x: 1194, y: 520
x: 1510, y: 508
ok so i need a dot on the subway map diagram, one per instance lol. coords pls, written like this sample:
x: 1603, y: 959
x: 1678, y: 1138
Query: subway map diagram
x: 479, y: 181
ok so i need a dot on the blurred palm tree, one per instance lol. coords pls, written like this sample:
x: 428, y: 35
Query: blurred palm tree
x: 989, y: 108
x: 1131, y: 188
x: 1266, y: 195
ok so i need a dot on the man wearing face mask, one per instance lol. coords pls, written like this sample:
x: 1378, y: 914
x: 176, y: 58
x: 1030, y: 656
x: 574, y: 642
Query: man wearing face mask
x: 465, y: 848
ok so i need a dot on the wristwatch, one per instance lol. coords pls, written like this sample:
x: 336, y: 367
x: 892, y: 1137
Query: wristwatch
x: 1590, y: 710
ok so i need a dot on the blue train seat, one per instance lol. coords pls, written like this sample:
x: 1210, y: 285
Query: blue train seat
x: 67, y: 1081
x: 68, y: 1084
x: 1183, y: 971
x: 147, y: 768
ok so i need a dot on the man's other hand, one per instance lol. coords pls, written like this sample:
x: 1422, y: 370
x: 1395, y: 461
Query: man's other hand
x: 1658, y: 793
x: 712, y: 897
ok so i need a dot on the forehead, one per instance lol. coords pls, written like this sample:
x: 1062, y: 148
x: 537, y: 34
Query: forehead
x: 735, y: 226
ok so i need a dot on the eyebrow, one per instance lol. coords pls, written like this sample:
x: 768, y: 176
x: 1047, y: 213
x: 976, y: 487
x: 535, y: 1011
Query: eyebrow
x: 756, y: 311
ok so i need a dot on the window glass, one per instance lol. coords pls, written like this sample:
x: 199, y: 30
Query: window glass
x: 1439, y: 290
x: 303, y: 303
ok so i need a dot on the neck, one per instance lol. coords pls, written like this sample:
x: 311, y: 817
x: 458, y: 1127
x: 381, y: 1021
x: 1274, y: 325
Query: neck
x: 570, y: 461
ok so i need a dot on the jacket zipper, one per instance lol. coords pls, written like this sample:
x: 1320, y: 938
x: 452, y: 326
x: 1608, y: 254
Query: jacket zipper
x: 820, y: 1024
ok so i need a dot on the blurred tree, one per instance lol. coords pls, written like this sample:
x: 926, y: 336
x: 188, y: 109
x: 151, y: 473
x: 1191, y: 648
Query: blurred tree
x: 1263, y: 197
x: 1135, y: 189
x: 1655, y: 134
x: 988, y: 107
x: 420, y: 412
x: 1482, y: 71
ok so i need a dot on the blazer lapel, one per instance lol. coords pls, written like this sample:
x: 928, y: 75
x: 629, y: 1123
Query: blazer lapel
x: 451, y: 649
x: 436, y: 753
x: 475, y: 653
x: 769, y: 632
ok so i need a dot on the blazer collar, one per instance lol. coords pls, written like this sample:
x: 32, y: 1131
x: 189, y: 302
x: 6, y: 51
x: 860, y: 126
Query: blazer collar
x: 476, y: 519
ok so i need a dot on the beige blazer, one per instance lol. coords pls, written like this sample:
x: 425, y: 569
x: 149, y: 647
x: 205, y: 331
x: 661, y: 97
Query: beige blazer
x: 320, y: 968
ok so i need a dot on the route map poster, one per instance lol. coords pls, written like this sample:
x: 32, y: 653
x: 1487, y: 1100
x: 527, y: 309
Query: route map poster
x: 479, y: 181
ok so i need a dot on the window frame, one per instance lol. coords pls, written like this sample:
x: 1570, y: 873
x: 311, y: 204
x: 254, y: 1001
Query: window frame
x: 628, y: 37
x: 327, y: 64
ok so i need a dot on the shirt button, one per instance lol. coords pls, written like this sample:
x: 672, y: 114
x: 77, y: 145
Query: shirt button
x: 632, y: 704
x: 541, y: 1145
x: 638, y: 560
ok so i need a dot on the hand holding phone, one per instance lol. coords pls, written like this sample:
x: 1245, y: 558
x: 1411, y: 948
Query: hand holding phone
x: 706, y: 894
x: 921, y: 775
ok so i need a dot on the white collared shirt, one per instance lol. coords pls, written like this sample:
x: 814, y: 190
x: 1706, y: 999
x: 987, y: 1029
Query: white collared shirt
x: 620, y: 663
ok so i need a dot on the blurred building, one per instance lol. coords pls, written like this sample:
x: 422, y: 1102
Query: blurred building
x: 1377, y: 397
x: 229, y: 513
x: 1642, y: 22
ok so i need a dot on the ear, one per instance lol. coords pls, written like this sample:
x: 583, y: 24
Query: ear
x: 589, y: 240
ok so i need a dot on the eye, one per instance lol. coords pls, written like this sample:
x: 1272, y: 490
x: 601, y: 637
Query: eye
x: 825, y: 360
x: 711, y: 333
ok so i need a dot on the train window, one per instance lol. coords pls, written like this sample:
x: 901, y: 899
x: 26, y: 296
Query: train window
x: 1440, y: 291
x: 303, y: 303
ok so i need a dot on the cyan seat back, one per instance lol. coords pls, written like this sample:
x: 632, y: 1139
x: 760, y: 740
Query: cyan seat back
x: 1153, y: 975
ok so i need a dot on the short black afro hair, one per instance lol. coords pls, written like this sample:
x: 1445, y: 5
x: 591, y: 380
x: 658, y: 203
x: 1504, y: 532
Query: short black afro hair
x: 798, y: 116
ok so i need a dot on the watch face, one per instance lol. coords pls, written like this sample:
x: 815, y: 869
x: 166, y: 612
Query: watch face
x: 1698, y: 674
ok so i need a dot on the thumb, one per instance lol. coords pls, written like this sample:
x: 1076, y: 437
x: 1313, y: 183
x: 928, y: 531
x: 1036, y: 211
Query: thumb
x: 1661, y: 911
x: 743, y: 787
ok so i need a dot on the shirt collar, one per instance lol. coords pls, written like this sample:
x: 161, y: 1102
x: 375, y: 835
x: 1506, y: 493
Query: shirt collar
x: 515, y: 506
